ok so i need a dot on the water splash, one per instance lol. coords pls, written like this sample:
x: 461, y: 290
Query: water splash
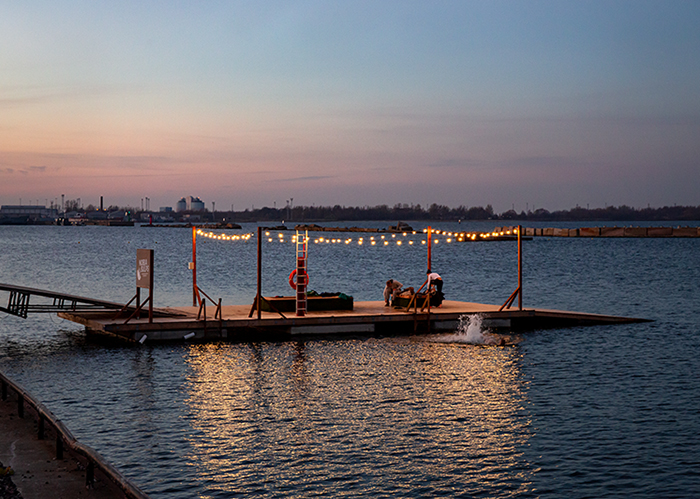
x: 470, y: 330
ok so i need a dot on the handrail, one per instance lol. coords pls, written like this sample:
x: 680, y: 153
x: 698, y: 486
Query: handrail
x: 18, y: 302
x: 125, y: 307
x: 65, y: 439
x: 217, y: 313
x: 139, y: 308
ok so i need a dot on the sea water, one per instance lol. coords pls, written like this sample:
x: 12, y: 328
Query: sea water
x: 603, y: 411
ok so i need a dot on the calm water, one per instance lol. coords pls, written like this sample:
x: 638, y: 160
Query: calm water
x: 609, y: 411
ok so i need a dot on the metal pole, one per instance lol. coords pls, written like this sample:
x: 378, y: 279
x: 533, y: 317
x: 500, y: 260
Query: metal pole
x: 430, y: 249
x: 430, y: 245
x: 150, y: 288
x: 259, y: 296
x: 520, y: 267
x: 194, y: 266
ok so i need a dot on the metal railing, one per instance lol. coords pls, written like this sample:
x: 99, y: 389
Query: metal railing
x: 19, y: 297
x: 203, y: 306
x: 66, y: 442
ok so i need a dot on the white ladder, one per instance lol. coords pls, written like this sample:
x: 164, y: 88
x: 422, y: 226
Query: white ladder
x: 302, y: 278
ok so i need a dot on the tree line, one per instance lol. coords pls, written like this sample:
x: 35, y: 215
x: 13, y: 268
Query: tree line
x: 441, y: 212
x: 433, y: 212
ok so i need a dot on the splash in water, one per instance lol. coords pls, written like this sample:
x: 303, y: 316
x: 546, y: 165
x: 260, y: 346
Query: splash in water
x: 470, y: 330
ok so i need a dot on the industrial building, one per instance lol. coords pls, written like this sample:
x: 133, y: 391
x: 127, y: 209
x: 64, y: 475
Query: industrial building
x: 27, y: 213
x: 189, y: 203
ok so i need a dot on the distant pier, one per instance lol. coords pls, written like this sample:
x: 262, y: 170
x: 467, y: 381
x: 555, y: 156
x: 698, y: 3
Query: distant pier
x: 605, y: 231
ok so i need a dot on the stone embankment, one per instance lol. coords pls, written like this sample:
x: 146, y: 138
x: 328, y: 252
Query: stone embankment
x: 42, y: 459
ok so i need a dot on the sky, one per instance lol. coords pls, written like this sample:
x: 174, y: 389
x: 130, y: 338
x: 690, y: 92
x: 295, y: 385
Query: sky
x: 517, y: 104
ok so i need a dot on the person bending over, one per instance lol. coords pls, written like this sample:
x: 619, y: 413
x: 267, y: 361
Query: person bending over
x: 391, y: 290
x: 434, y: 278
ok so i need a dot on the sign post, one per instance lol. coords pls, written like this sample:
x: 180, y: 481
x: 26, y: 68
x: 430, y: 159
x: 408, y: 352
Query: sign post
x: 144, y: 277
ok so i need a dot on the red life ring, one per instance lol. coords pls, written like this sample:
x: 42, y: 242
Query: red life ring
x: 293, y: 280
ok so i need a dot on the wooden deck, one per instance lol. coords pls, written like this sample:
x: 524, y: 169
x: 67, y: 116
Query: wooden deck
x: 369, y: 318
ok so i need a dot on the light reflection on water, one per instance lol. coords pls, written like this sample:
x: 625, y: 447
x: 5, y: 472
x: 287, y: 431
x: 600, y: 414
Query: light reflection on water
x: 405, y: 418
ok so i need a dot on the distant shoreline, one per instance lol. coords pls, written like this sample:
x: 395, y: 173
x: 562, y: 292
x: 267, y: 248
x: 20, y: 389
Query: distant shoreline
x: 382, y: 213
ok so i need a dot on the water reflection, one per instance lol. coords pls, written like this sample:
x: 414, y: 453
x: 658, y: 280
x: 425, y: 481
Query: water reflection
x: 143, y: 389
x: 299, y: 374
x: 394, y: 417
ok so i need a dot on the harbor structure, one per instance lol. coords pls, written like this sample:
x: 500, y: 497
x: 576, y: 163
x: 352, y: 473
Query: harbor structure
x: 606, y: 231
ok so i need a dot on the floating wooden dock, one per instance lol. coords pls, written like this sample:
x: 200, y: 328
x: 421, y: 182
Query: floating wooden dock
x: 369, y: 318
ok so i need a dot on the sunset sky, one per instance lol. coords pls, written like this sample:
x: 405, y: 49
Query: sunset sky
x: 544, y: 104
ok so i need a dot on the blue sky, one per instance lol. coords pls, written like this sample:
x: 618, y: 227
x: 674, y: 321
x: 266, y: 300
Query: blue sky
x: 544, y: 104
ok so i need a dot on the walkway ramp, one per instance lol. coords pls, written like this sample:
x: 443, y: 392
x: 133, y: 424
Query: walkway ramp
x: 44, y: 301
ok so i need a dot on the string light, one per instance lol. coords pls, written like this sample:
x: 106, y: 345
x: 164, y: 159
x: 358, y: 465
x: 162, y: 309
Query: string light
x: 449, y: 237
x: 224, y: 237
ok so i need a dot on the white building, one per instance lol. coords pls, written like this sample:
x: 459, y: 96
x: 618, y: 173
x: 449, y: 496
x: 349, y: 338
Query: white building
x: 190, y: 203
x: 195, y: 204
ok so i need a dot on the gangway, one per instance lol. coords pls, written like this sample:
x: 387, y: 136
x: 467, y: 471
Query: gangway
x: 19, y: 297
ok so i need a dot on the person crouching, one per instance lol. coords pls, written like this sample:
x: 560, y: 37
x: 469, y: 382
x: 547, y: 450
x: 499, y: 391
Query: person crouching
x: 391, y: 290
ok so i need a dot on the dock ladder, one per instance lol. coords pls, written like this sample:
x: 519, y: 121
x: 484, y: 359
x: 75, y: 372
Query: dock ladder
x: 302, y: 242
